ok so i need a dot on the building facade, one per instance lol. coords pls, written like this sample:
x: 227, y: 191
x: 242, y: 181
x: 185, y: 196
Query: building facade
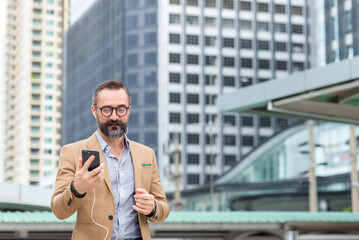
x: 176, y: 57
x: 33, y: 88
x: 335, y: 31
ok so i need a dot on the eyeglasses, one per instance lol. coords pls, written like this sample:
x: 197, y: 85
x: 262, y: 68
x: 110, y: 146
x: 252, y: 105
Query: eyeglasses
x: 107, y: 111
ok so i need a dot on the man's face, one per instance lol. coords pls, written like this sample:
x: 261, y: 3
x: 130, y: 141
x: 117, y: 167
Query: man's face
x: 112, y: 126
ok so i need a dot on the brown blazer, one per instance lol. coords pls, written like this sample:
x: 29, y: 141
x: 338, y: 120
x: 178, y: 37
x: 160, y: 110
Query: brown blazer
x: 64, y: 204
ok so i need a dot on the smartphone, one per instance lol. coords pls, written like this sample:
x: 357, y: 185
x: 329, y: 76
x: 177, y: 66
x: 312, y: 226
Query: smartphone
x: 86, y: 154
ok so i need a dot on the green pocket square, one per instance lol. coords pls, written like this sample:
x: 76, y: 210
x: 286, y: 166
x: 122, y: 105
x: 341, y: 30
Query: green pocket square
x: 146, y: 164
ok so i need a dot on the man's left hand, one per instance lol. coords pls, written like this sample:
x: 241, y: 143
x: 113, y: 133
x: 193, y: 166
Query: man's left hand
x: 145, y: 202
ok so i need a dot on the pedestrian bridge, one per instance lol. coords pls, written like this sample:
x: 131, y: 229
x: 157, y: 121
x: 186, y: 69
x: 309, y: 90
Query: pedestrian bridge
x: 201, y: 225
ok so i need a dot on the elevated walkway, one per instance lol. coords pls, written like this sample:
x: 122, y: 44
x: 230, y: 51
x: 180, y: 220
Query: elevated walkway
x: 205, y: 225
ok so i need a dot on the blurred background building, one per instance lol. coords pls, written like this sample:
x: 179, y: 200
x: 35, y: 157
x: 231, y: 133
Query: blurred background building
x: 33, y: 88
x: 176, y: 57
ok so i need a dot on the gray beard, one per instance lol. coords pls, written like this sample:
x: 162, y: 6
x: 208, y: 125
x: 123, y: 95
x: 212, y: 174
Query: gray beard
x: 112, y: 133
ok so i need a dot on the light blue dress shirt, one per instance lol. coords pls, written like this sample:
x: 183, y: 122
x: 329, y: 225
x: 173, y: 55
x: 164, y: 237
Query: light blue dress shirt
x: 123, y: 187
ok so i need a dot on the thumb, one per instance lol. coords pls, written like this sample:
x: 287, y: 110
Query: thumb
x: 141, y: 191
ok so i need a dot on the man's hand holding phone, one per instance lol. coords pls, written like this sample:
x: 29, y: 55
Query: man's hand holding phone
x: 86, y: 178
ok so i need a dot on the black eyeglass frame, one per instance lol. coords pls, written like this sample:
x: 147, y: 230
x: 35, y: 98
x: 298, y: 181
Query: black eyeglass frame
x: 112, y: 108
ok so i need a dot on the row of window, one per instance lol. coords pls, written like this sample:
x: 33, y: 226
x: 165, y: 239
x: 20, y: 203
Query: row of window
x: 150, y: 20
x: 193, y: 59
x: 228, y: 81
x: 210, y: 159
x: 243, y: 5
x: 192, y: 20
x: 227, y: 42
x: 150, y: 39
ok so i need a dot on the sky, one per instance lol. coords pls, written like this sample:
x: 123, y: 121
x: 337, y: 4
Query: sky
x: 2, y: 63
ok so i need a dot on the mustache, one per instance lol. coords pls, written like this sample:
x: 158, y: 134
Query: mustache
x: 114, y: 122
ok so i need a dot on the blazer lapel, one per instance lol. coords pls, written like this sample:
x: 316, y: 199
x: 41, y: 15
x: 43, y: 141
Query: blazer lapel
x: 93, y: 144
x: 137, y: 163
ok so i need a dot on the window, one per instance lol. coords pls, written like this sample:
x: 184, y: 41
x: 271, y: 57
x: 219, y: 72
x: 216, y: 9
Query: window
x: 265, y: 122
x: 150, y: 38
x: 247, y: 141
x: 280, y: 27
x: 150, y: 78
x: 297, y: 10
x: 298, y: 29
x: 263, y: 7
x: 281, y: 65
x: 246, y: 63
x: 228, y: 81
x: 211, y: 80
x: 282, y: 122
x: 150, y: 117
x: 228, y: 61
x: 210, y: 41
x: 263, y: 26
x: 211, y: 99
x: 132, y: 59
x: 211, y: 118
x: 227, y: 23
x: 228, y: 4
x: 192, y: 20
x: 210, y: 60
x: 210, y: 3
x: 150, y: 58
x: 193, y: 158
x: 132, y: 4
x: 228, y: 42
x: 193, y: 179
x: 175, y: 2
x: 132, y: 21
x: 192, y: 138
x: 175, y: 58
x: 192, y: 98
x: 229, y: 160
x: 210, y: 159
x: 150, y: 19
x: 47, y: 151
x: 229, y: 140
x: 298, y: 66
x: 192, y: 39
x: 192, y: 2
x: 175, y: 77
x: 192, y: 79
x: 229, y: 120
x: 175, y: 117
x: 210, y: 22
x: 175, y: 98
x: 279, y: 8
x: 48, y: 119
x: 247, y: 121
x: 192, y: 59
x: 263, y: 45
x: 132, y: 79
x: 192, y: 118
x: 281, y: 46
x: 174, y: 136
x: 175, y: 38
x: 50, y: 22
x: 175, y: 19
x: 264, y: 64
x: 245, y: 25
x: 151, y: 97
x: 246, y: 43
x: 49, y: 33
x: 245, y: 6
x: 298, y: 47
x: 246, y: 81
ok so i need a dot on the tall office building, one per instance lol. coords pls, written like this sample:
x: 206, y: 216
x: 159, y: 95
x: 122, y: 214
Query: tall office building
x: 336, y: 31
x: 33, y: 88
x: 176, y: 57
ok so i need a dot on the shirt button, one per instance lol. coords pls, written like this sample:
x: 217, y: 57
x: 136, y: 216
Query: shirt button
x: 121, y: 229
x: 110, y: 217
x: 120, y: 209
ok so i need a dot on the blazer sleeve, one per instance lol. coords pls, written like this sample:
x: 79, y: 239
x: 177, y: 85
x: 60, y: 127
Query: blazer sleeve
x: 162, y: 206
x: 63, y: 202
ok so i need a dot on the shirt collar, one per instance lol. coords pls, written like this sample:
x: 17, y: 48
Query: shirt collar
x: 103, y: 143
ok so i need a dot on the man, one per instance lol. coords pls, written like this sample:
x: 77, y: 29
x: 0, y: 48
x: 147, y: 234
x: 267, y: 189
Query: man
x: 115, y: 200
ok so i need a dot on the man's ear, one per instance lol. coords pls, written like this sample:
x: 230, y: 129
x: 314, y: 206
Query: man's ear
x: 94, y: 114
